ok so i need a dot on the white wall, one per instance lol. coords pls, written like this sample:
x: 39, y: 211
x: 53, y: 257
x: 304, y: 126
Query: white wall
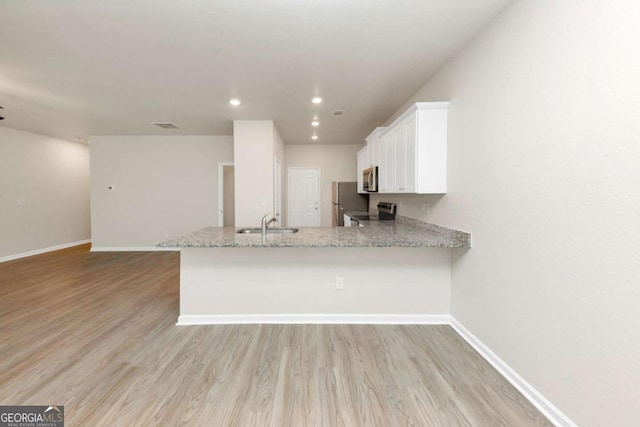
x: 544, y: 155
x: 44, y: 192
x: 164, y: 186
x: 379, y: 283
x: 253, y: 145
x: 337, y: 162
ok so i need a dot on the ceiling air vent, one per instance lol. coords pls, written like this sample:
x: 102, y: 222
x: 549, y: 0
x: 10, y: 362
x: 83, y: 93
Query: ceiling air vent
x: 337, y: 112
x: 165, y: 125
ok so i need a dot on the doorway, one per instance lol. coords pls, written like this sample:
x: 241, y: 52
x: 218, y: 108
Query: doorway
x: 303, y: 198
x: 226, y: 195
x: 277, y: 191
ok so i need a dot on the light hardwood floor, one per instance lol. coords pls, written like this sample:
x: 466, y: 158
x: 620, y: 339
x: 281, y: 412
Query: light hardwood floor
x: 96, y: 332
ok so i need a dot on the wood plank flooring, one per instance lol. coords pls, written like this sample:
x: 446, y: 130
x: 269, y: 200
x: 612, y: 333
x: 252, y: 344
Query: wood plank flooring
x: 96, y: 332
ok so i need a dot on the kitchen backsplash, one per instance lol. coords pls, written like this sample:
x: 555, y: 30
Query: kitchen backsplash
x: 416, y: 206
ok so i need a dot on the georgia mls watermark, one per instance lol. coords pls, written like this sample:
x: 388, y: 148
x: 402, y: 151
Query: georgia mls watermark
x: 31, y: 416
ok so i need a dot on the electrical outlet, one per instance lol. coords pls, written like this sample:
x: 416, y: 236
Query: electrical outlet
x: 339, y: 283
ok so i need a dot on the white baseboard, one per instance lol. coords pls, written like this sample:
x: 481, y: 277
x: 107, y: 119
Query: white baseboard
x: 536, y: 398
x: 130, y: 249
x: 44, y: 250
x: 362, y: 319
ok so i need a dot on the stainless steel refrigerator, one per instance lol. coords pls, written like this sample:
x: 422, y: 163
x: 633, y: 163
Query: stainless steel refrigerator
x: 344, y: 198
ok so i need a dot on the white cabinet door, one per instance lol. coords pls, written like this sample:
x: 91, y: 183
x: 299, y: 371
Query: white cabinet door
x: 410, y: 149
x: 391, y: 163
x: 431, y: 155
x: 374, y: 144
x: 400, y: 154
x: 386, y: 168
x: 382, y: 167
x: 404, y: 147
x: 362, y: 162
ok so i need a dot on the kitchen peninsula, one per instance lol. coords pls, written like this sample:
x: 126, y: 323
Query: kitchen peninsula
x: 395, y: 271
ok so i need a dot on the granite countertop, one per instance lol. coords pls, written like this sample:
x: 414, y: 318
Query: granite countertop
x: 404, y: 232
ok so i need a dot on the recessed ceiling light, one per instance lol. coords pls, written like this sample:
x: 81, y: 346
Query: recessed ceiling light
x: 315, y: 123
x: 316, y: 100
x: 314, y: 136
x: 234, y: 101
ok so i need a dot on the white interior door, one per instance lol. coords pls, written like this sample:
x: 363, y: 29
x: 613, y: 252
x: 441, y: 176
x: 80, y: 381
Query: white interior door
x: 304, y: 197
x: 277, y: 191
x: 226, y: 201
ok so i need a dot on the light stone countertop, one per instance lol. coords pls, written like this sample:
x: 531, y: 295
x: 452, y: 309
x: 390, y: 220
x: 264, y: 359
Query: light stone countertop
x: 404, y: 232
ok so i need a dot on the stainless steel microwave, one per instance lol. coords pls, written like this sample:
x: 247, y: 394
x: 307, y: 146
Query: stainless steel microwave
x: 370, y: 180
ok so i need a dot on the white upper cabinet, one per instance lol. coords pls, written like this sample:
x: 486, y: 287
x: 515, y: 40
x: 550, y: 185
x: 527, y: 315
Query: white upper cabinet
x: 415, y: 159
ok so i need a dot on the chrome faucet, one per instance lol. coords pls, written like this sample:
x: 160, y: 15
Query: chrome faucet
x: 266, y: 222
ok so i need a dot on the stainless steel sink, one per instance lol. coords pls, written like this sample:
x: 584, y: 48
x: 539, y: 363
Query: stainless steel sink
x: 269, y: 230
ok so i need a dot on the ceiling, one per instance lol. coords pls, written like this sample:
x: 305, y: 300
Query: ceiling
x: 74, y: 68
